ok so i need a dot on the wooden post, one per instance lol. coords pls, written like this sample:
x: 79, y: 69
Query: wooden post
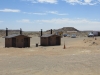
x: 41, y: 32
x: 6, y: 31
x: 51, y: 31
x: 20, y: 31
x: 64, y: 46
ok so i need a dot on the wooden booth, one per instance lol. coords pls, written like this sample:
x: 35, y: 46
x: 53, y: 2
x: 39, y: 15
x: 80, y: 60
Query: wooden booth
x: 50, y: 39
x: 17, y: 40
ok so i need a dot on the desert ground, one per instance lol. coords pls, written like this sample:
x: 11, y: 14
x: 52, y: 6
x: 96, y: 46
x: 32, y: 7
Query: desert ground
x: 81, y: 57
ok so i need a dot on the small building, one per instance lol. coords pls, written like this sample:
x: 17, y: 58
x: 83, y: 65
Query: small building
x: 50, y: 39
x: 95, y: 33
x: 17, y: 40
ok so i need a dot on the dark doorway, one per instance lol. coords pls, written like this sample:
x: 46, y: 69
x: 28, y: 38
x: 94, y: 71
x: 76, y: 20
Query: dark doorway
x: 98, y: 33
x: 57, y: 40
x: 49, y: 41
x: 26, y: 42
x: 13, y: 42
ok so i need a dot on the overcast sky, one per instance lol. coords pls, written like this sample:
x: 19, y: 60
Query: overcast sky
x: 33, y: 15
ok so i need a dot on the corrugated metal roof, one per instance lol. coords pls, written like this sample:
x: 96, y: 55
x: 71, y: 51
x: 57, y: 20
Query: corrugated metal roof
x: 13, y: 35
x: 48, y: 35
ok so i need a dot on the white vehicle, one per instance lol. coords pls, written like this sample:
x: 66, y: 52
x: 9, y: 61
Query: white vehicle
x: 73, y: 36
x: 90, y: 35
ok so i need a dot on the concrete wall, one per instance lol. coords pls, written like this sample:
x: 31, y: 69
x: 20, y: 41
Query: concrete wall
x: 28, y: 42
x: 19, y: 41
x: 43, y: 41
x: 8, y: 42
x: 59, y: 41
x: 53, y: 40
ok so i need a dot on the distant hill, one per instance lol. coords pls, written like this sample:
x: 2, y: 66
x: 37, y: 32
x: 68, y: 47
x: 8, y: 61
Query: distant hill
x: 64, y: 30
x: 68, y: 29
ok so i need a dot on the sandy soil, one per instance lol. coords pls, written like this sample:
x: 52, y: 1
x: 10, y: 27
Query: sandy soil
x: 81, y: 57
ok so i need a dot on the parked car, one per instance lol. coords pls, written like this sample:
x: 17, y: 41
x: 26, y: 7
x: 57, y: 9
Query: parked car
x: 65, y: 35
x: 90, y: 35
x: 73, y: 36
x: 68, y: 35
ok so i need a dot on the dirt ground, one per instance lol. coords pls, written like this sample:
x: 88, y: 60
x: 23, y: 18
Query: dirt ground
x: 81, y: 57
